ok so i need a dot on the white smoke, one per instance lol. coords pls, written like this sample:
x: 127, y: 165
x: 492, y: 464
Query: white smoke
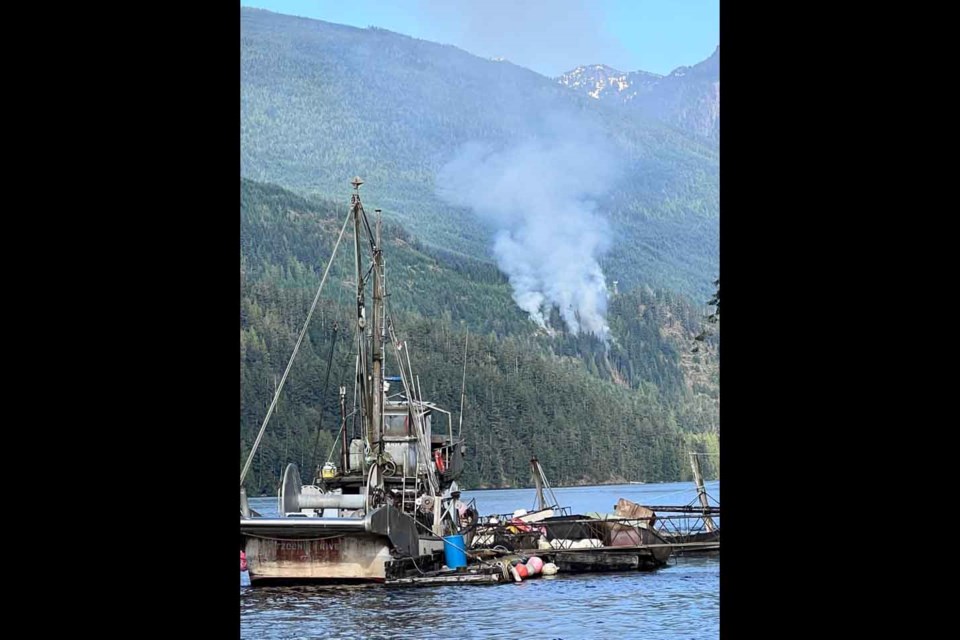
x: 541, y: 196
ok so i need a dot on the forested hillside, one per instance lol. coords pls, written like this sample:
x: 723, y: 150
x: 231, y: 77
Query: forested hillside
x: 591, y: 412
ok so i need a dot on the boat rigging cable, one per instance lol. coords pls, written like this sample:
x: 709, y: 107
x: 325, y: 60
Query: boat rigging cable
x: 463, y: 387
x: 303, y: 332
x: 323, y: 395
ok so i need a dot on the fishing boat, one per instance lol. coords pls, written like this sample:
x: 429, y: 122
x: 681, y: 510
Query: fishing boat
x: 391, y: 495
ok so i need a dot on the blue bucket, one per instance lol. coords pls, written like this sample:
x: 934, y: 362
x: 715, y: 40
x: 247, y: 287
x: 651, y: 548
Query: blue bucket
x: 454, y: 551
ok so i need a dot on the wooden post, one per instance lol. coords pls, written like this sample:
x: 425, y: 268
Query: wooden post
x: 701, y: 490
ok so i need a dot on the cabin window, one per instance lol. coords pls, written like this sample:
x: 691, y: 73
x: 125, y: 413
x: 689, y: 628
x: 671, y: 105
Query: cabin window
x: 396, y: 424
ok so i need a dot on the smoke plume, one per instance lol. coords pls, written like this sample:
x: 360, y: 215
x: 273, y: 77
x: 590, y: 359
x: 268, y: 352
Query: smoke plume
x: 540, y: 194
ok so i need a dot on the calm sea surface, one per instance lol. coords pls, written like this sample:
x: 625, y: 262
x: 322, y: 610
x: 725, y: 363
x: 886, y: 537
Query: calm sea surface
x: 681, y: 600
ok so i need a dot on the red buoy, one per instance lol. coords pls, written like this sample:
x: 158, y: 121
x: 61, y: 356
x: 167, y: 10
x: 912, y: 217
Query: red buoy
x: 243, y: 561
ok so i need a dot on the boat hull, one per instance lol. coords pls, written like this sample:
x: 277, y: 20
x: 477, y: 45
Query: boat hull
x: 608, y: 559
x: 333, y: 559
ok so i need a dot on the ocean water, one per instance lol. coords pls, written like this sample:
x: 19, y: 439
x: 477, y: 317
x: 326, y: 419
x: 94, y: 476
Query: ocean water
x: 681, y: 600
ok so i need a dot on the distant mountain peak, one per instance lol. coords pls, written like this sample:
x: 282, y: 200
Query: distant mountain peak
x: 602, y: 67
x: 601, y: 82
x: 688, y: 97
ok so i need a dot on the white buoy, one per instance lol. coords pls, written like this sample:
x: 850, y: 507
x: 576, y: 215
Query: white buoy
x: 549, y: 569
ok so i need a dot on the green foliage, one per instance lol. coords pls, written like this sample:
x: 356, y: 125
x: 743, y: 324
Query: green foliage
x: 712, y: 318
x: 705, y: 443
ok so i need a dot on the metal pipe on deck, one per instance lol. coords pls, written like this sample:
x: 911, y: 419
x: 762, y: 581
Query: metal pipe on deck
x: 331, y: 501
x: 299, y: 528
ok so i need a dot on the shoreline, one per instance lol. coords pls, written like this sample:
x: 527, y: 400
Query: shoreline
x: 566, y: 486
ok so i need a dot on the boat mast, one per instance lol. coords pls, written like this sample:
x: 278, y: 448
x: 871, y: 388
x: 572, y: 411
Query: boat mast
x: 371, y: 385
x: 356, y: 211
x: 378, y: 337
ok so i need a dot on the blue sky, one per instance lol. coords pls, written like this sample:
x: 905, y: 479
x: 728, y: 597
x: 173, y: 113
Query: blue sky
x: 548, y: 36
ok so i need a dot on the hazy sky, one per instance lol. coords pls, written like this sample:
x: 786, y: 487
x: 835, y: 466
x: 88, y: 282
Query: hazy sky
x: 548, y: 36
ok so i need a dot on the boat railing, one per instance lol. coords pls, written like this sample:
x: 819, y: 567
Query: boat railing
x: 684, y: 527
x: 506, y: 517
x: 684, y: 522
x: 583, y: 532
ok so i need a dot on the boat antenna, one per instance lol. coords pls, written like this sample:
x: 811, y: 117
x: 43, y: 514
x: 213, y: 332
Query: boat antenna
x: 296, y: 348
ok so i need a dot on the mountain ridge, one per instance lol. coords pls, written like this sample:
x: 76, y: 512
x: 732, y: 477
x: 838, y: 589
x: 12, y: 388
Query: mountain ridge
x: 688, y: 97
x: 322, y: 102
